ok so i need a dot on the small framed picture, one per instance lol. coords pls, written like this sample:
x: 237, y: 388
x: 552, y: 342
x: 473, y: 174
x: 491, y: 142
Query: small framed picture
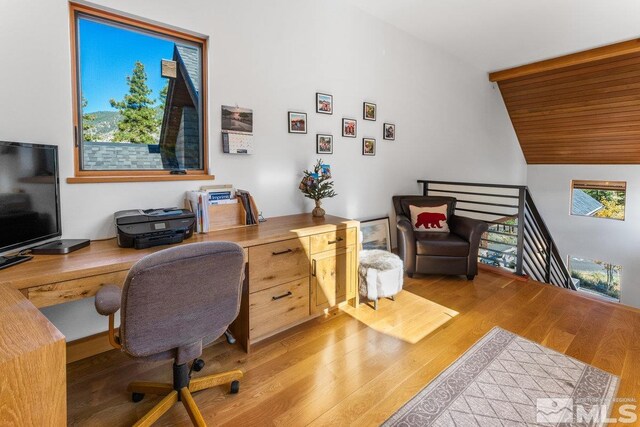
x: 297, y: 122
x: 376, y: 234
x: 368, y: 147
x: 369, y: 111
x: 324, y: 103
x: 349, y: 128
x: 389, y: 131
x: 324, y: 144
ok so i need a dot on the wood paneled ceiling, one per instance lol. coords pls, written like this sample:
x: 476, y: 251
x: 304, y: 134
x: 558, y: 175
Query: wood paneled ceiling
x: 582, y: 108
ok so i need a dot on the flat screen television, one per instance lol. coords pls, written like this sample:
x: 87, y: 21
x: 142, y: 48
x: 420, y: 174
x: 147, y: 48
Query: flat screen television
x: 29, y: 195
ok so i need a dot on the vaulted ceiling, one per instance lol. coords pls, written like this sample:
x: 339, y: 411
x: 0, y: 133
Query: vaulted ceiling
x: 497, y: 34
x: 584, y: 110
x: 578, y: 109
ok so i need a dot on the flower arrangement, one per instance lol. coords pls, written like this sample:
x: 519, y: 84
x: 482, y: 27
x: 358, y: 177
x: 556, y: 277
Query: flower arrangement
x: 317, y: 185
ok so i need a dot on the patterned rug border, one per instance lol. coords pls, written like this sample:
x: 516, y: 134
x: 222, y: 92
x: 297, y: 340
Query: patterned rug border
x: 450, y: 370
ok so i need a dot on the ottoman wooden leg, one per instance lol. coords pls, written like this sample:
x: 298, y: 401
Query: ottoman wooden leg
x: 375, y: 304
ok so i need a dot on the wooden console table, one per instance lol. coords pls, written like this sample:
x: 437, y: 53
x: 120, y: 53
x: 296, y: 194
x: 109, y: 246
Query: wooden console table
x: 297, y: 266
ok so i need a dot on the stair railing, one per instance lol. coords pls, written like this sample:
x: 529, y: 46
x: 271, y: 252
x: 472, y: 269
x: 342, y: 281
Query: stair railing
x: 518, y: 239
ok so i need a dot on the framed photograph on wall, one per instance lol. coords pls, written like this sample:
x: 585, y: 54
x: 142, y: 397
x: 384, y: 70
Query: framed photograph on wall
x: 376, y: 234
x: 324, y: 103
x: 389, y: 131
x: 368, y: 147
x: 297, y: 122
x: 235, y: 119
x: 324, y: 144
x: 369, y: 111
x: 349, y: 128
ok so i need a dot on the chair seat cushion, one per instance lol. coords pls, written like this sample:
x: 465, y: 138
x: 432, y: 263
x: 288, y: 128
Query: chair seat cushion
x: 441, y: 244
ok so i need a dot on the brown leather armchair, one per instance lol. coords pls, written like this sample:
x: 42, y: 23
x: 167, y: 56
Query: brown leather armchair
x: 454, y: 253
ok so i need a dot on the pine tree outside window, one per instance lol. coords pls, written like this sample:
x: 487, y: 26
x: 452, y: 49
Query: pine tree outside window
x: 140, y: 97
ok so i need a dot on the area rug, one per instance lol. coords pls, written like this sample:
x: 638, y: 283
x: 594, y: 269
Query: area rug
x: 504, y: 379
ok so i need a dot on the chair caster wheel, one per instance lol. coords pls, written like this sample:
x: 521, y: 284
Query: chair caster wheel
x: 235, y: 387
x: 198, y: 364
x: 137, y: 397
x: 230, y: 338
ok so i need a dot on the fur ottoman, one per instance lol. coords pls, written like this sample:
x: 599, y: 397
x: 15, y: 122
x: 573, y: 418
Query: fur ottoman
x: 381, y: 274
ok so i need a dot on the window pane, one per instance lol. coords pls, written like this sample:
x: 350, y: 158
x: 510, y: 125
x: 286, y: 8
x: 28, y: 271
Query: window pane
x: 596, y: 277
x: 140, y: 98
x: 601, y: 199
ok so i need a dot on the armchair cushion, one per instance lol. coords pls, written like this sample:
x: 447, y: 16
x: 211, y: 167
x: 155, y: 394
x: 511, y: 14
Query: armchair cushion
x: 108, y: 299
x: 429, y: 219
x: 441, y: 244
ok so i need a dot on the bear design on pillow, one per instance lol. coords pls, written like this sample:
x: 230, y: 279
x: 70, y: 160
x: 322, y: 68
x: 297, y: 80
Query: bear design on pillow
x: 430, y: 220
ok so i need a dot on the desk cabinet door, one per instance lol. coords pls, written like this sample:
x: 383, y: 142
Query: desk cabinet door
x: 332, y: 278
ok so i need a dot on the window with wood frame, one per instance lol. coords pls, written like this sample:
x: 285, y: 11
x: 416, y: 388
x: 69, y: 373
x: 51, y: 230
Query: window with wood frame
x: 139, y: 98
x: 600, y: 199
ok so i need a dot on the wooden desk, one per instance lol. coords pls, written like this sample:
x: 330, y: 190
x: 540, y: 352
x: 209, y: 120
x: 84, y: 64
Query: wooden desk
x: 33, y: 390
x: 312, y: 261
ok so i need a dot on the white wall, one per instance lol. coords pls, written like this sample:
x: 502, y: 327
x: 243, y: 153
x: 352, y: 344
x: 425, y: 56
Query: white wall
x: 595, y: 238
x: 272, y: 57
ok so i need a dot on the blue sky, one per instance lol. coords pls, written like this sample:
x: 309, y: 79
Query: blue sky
x: 107, y: 57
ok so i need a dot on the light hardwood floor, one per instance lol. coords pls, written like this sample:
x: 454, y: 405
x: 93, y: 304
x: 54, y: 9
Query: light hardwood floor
x: 358, y: 366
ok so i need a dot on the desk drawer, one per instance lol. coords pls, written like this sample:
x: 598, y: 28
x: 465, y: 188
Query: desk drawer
x: 72, y: 290
x: 277, y: 307
x: 332, y: 240
x: 277, y: 263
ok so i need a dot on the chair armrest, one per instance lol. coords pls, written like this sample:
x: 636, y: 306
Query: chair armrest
x: 471, y: 230
x: 468, y: 228
x: 406, y: 243
x: 108, y: 299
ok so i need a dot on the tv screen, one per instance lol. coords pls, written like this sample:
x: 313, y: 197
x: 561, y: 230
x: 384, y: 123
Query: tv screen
x: 29, y: 194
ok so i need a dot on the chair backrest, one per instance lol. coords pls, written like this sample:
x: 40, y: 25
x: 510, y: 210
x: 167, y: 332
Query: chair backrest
x: 176, y: 298
x: 401, y: 203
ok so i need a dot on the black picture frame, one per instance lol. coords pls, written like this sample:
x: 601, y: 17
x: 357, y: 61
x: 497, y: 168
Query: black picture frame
x: 292, y: 114
x: 365, y: 112
x: 320, y: 103
x: 365, y: 151
x: 344, y: 127
x: 389, y: 136
x: 318, y: 142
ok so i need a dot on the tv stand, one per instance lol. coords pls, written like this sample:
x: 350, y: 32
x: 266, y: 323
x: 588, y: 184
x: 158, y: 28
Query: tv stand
x: 13, y: 260
x: 60, y: 247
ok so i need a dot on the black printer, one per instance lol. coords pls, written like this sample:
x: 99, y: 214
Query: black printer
x: 153, y: 227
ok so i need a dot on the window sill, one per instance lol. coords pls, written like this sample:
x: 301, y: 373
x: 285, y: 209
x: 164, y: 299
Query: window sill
x: 138, y: 178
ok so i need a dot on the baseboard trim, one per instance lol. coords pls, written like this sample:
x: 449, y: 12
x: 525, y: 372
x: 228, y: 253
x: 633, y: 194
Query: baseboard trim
x: 88, y: 346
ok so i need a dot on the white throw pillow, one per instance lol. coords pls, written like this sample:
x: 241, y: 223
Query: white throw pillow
x: 429, y: 218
